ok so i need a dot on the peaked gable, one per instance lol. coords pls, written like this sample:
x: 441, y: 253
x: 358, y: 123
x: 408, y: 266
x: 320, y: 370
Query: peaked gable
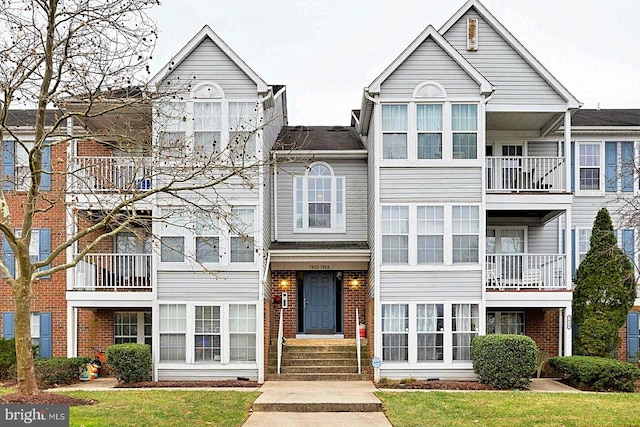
x: 436, y: 40
x: 525, y: 80
x: 207, y: 57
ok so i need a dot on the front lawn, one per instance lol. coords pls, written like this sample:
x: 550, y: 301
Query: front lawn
x: 160, y: 408
x: 511, y: 409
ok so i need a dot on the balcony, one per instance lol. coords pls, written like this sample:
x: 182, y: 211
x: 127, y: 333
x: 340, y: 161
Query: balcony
x: 525, y: 272
x: 113, y: 272
x: 526, y: 174
x: 110, y: 174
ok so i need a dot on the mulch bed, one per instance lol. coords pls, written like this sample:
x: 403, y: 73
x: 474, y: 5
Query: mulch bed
x: 434, y: 385
x: 189, y: 384
x: 44, y: 399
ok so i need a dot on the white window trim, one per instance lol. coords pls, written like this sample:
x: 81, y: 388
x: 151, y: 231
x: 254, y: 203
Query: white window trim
x: 576, y: 162
x: 225, y: 342
x: 497, y: 229
x: 447, y: 134
x: 498, y: 317
x: 447, y: 340
x: 334, y: 199
x: 577, y: 248
x: 189, y: 234
x: 448, y: 263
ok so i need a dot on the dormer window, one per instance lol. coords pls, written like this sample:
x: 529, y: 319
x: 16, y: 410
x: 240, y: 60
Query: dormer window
x: 319, y: 200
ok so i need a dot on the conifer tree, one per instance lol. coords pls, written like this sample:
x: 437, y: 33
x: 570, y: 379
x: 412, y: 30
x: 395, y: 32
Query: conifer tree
x: 605, y: 291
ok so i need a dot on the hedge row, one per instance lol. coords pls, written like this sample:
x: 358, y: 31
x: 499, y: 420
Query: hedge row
x: 597, y: 373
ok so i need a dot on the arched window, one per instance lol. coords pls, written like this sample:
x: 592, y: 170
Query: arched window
x: 319, y: 198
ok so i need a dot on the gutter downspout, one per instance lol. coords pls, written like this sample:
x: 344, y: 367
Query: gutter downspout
x: 275, y: 197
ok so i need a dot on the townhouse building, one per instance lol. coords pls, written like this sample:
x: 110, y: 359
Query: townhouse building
x: 459, y: 202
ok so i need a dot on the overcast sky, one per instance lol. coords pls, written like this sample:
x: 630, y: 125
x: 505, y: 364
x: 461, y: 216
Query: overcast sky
x: 327, y: 51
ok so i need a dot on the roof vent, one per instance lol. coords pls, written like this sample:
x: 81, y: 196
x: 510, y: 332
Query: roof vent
x: 472, y: 34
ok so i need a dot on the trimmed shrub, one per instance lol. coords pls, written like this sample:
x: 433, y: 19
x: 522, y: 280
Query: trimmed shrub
x: 7, y: 356
x: 59, y: 370
x: 130, y: 362
x: 504, y: 361
x: 597, y: 373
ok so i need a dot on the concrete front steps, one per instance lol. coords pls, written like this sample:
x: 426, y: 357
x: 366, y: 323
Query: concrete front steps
x: 319, y: 360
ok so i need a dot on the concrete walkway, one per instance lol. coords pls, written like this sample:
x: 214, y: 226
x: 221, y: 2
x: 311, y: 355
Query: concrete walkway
x: 550, y: 385
x: 317, y: 403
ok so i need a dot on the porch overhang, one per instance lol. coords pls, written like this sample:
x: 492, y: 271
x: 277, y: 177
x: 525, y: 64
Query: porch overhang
x: 315, y: 256
x: 529, y: 299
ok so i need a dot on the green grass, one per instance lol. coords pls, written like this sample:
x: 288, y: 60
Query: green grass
x: 511, y: 409
x: 160, y: 408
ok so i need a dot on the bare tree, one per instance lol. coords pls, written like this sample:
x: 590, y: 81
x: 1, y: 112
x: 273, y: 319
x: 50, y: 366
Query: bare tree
x: 88, y: 59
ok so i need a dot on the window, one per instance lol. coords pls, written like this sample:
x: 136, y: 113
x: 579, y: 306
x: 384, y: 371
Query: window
x: 584, y: 243
x: 207, y: 334
x: 395, y: 234
x: 465, y: 328
x: 35, y: 329
x: 126, y: 328
x: 207, y: 238
x: 619, y: 166
x: 430, y: 328
x: 206, y: 127
x: 39, y: 248
x: 395, y: 332
x: 172, y: 122
x: 172, y: 248
x: 173, y: 332
x: 429, y: 117
x: 430, y: 234
x: 40, y: 331
x: 505, y: 322
x: 242, y: 333
x: 589, y: 166
x: 16, y: 173
x: 394, y: 131
x: 242, y: 240
x: 466, y: 229
x: 319, y: 200
x: 242, y: 127
x: 464, y: 124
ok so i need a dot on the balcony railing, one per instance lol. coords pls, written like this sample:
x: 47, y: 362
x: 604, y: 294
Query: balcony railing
x: 543, y: 174
x: 525, y: 271
x: 113, y: 272
x: 110, y: 174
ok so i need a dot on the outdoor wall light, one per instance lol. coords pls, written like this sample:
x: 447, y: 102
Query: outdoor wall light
x: 283, y: 284
x: 354, y: 283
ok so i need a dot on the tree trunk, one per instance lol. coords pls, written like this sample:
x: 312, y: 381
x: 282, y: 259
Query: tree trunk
x: 22, y: 318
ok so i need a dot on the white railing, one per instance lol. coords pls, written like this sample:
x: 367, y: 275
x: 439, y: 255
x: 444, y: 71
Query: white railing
x: 104, y: 174
x: 526, y: 174
x: 99, y: 272
x: 358, y: 342
x: 280, y: 341
x: 525, y: 271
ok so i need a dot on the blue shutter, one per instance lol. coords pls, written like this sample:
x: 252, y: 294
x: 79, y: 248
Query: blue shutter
x: 7, y: 325
x: 8, y: 165
x: 610, y: 161
x: 626, y: 166
x: 45, y: 245
x: 573, y: 166
x: 45, y: 336
x: 45, y: 180
x: 632, y: 336
x: 573, y: 253
x: 8, y: 258
x: 628, y: 244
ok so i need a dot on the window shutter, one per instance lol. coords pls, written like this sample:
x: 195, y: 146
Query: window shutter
x: 8, y: 165
x: 573, y: 166
x: 632, y: 336
x: 573, y: 253
x: 8, y: 258
x: 626, y: 166
x: 628, y: 244
x: 45, y: 246
x: 610, y: 161
x: 7, y: 325
x: 45, y: 180
x: 45, y: 335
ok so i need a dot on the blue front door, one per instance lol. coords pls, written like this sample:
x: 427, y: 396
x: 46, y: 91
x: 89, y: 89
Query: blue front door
x: 319, y: 303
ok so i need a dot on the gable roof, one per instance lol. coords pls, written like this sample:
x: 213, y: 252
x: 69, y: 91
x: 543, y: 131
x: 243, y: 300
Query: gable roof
x: 572, y: 102
x: 186, y: 50
x: 606, y: 118
x: 485, y: 86
x: 318, y: 138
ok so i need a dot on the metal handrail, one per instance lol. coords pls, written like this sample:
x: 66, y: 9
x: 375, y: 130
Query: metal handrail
x: 358, y: 341
x: 280, y: 341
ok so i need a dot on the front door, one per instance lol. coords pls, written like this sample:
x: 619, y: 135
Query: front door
x: 319, y: 303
